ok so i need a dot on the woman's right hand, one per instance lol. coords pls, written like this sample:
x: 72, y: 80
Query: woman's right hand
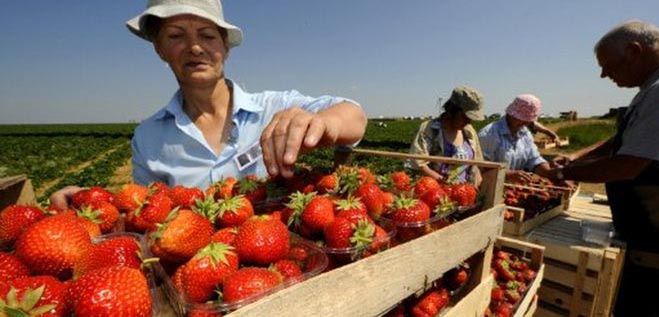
x: 518, y: 177
x: 60, y: 199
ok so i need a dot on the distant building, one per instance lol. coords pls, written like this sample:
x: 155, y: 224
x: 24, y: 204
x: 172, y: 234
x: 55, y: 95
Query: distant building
x: 569, y: 115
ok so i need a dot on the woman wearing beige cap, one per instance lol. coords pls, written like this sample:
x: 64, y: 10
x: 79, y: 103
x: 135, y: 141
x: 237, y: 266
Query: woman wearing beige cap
x: 452, y: 135
x: 212, y: 128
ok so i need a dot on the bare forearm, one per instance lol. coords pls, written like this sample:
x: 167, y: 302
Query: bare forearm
x: 350, y: 120
x: 606, y: 169
x: 599, y: 149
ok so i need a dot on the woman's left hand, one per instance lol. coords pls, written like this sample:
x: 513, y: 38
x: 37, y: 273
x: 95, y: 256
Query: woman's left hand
x: 292, y: 131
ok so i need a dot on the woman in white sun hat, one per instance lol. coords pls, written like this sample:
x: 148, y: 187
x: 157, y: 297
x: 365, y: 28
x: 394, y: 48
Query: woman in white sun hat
x: 212, y: 128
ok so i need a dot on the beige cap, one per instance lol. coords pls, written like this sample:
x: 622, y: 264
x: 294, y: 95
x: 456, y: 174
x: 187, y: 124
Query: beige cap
x: 469, y: 100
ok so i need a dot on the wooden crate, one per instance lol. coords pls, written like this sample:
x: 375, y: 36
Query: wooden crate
x: 536, y: 253
x: 580, y: 279
x: 16, y: 190
x: 544, y: 144
x: 518, y: 226
x: 370, y: 286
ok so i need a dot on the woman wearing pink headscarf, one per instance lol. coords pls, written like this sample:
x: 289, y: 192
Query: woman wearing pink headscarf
x: 508, y: 140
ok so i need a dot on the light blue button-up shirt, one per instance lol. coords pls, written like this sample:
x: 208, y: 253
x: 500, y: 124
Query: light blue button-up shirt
x: 168, y: 146
x: 499, y: 145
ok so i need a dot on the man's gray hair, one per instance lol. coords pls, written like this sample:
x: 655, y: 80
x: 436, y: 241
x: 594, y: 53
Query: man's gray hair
x: 618, y: 38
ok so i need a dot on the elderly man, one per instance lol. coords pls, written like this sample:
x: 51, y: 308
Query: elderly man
x: 508, y: 140
x: 629, y: 162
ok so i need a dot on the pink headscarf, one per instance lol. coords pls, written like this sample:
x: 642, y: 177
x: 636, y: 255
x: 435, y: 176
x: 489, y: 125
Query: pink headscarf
x: 525, y: 107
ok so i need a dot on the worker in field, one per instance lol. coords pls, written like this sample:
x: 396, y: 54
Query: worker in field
x: 629, y: 162
x: 211, y: 128
x: 508, y: 140
x: 452, y: 135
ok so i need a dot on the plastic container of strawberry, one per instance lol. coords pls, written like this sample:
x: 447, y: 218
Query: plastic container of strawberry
x: 150, y: 271
x: 342, y: 256
x: 407, y: 231
x: 312, y: 264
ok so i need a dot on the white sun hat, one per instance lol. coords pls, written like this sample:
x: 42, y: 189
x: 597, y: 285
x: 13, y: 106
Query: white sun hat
x: 207, y: 9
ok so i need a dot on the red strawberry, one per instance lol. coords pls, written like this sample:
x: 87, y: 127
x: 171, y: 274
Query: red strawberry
x: 14, y: 219
x: 222, y: 189
x: 155, y: 210
x: 207, y: 270
x: 225, y: 235
x: 350, y: 206
x: 401, y: 180
x: 372, y: 197
x: 430, y: 303
x: 117, y: 251
x: 424, y: 184
x: 497, y: 294
x: 34, y: 296
x: 463, y: 194
x: 102, y: 213
x: 91, y: 227
x: 366, y: 176
x: 185, y: 197
x: 91, y: 195
x: 328, y: 184
x: 318, y: 214
x: 262, y: 240
x: 181, y: 237
x: 247, y: 282
x: 409, y: 210
x: 433, y: 196
x: 53, y: 245
x: 343, y: 233
x: 158, y: 187
x: 233, y: 211
x: 112, y: 291
x: 11, y: 267
x: 387, y: 199
x: 131, y: 197
x: 293, y: 210
x: 287, y: 268
x: 252, y: 188
x: 504, y: 310
x: 298, y: 253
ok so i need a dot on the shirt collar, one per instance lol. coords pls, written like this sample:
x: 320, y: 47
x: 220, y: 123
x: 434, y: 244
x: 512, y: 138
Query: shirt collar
x: 241, y: 101
x: 651, y: 80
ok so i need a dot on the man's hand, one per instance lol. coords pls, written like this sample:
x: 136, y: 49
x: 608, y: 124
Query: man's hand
x: 60, y: 199
x: 292, y: 131
x: 561, y: 161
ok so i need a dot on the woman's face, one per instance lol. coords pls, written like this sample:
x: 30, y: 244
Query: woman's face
x: 194, y: 49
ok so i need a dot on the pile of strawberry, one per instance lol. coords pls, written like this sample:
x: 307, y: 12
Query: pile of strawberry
x: 512, y: 275
x: 534, y: 197
x: 435, y: 299
x: 52, y: 268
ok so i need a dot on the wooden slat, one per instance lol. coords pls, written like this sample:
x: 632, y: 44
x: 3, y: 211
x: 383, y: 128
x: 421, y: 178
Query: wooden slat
x: 566, y: 277
x: 608, y: 282
x: 530, y: 312
x: 562, y: 299
x: 575, y: 302
x: 520, y: 227
x: 474, y: 304
x: 371, y: 285
x: 16, y: 190
x: 438, y: 159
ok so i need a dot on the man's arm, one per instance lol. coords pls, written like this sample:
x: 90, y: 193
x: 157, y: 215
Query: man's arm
x: 595, y: 151
x: 544, y: 130
x: 605, y: 169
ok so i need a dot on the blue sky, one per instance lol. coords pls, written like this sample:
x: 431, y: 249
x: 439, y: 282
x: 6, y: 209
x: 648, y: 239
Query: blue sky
x: 67, y: 61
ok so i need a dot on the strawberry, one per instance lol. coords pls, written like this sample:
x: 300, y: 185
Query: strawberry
x: 409, y: 210
x: 111, y: 291
x: 352, y: 209
x: 117, y: 251
x: 11, y: 267
x: 287, y: 268
x: 222, y: 189
x: 182, y: 236
x: 100, y: 212
x: 130, y: 197
x: 328, y: 184
x: 298, y: 254
x: 295, y: 207
x: 91, y: 227
x: 497, y: 294
x: 504, y: 310
x: 34, y: 296
x: 424, y: 184
x: 225, y: 235
x: 343, y: 233
x: 457, y: 277
x: 155, y: 210
x: 430, y: 303
x: 53, y: 245
x: 14, y: 219
x: 463, y: 194
x: 201, y: 275
x: 185, y: 197
x: 247, y: 282
x: 262, y: 240
x: 401, y: 180
x: 433, y: 196
x: 158, y: 187
x: 318, y: 214
x: 366, y: 176
x: 233, y: 211
x: 91, y: 195
x: 252, y: 188
x: 371, y: 196
x: 387, y: 199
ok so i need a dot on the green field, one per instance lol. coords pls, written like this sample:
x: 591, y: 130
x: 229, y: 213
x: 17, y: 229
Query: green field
x: 54, y: 156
